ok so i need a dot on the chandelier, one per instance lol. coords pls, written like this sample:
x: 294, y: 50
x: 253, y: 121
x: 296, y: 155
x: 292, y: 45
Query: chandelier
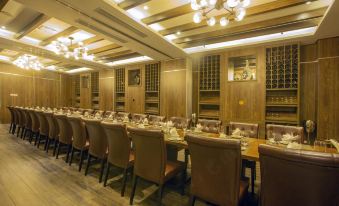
x: 28, y: 62
x: 80, y: 52
x: 235, y: 9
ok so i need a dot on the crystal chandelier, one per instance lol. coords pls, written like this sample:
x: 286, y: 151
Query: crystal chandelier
x: 27, y: 61
x: 235, y: 9
x: 80, y: 52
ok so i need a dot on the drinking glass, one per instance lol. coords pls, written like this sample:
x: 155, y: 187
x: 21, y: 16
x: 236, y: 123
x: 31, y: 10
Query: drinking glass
x: 320, y: 145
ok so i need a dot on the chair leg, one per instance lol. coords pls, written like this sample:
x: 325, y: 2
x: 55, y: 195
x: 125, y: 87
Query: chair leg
x: 10, y: 127
x: 22, y: 132
x: 58, y: 150
x: 192, y: 200
x: 72, y: 154
x: 13, y: 129
x: 36, y: 138
x: 124, y: 182
x: 69, y: 147
x: 88, y: 163
x: 81, y: 159
x: 55, y: 145
x: 18, y: 132
x: 102, y: 169
x: 134, y: 185
x: 183, y: 181
x: 31, y: 134
x: 252, y: 179
x: 48, y: 144
x: 25, y: 133
x: 107, y: 173
x: 160, y: 191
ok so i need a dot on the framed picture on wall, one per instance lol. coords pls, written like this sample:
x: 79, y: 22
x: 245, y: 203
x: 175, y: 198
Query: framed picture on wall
x: 134, y: 77
x: 242, y: 68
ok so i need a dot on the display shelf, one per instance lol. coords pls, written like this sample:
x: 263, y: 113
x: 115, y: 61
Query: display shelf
x: 120, y: 89
x: 152, y: 88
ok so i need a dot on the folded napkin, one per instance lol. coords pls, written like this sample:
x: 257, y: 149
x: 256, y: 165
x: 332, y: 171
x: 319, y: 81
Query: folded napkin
x: 198, y: 128
x: 145, y: 121
x: 98, y: 116
x: 236, y: 132
x: 110, y: 116
x: 170, y: 124
x: 335, y: 144
x: 126, y: 119
x: 290, y: 137
x: 141, y: 126
x: 86, y: 114
x: 174, y: 132
x: 294, y: 145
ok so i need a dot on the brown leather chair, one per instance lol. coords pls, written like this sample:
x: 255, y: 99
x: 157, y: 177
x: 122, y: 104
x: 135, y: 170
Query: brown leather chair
x: 151, y: 160
x: 252, y: 131
x: 28, y: 123
x: 35, y: 126
x: 80, y: 139
x: 16, y: 119
x: 138, y: 117
x: 119, y: 150
x: 280, y: 130
x: 121, y: 115
x: 44, y: 128
x: 216, y: 167
x: 53, y: 129
x: 65, y: 134
x: 12, y: 121
x: 210, y: 126
x: 155, y: 119
x: 98, y: 144
x: 181, y: 122
x: 22, y: 121
x: 298, y: 177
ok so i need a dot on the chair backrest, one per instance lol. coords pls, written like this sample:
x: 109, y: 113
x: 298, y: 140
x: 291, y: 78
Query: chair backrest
x: 155, y: 119
x: 44, y: 129
x: 10, y: 108
x: 280, y: 130
x: 121, y: 115
x: 35, y: 120
x: 250, y: 128
x: 28, y: 120
x: 209, y: 125
x: 21, y: 115
x: 138, y: 117
x: 97, y: 138
x: 216, y: 168
x: 297, y: 177
x: 52, y: 125
x: 16, y: 115
x: 79, y: 132
x: 65, y: 129
x: 119, y: 144
x: 150, y: 154
x: 180, y: 122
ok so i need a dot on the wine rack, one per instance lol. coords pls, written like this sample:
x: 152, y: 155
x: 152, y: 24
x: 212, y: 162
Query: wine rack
x: 152, y: 88
x: 77, y: 90
x: 282, y: 84
x: 209, y: 86
x: 120, y: 89
x: 95, y: 90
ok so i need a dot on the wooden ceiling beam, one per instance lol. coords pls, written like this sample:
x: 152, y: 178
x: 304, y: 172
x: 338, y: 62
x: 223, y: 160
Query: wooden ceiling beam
x: 122, y: 56
x: 128, y: 4
x: 70, y: 30
x: 251, y: 11
x: 3, y: 3
x: 112, y: 51
x: 271, y: 23
x: 103, y: 49
x: 38, y: 21
x: 89, y: 41
x: 117, y: 54
x: 168, y: 14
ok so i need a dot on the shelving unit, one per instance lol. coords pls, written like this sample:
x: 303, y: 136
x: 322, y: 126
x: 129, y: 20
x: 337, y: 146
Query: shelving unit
x: 282, y: 84
x: 95, y: 90
x: 152, y: 88
x: 77, y: 90
x: 209, y: 87
x: 120, y: 90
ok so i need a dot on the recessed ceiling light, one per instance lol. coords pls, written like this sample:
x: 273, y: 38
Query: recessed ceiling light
x: 178, y: 32
x: 145, y: 7
x: 308, y: 2
x: 3, y: 27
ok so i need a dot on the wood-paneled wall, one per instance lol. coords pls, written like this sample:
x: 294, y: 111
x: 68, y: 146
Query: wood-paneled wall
x: 106, y: 90
x: 30, y: 88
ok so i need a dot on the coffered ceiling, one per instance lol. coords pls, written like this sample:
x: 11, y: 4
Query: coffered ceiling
x: 116, y: 30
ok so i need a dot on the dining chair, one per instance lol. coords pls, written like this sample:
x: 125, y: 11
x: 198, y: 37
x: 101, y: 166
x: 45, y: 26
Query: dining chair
x: 119, y: 150
x: 53, y: 135
x: 210, y: 125
x: 16, y: 120
x: 298, y: 177
x: 65, y: 135
x: 151, y: 160
x: 35, y: 126
x: 22, y: 122
x: 138, y: 117
x: 251, y: 130
x: 80, y: 140
x: 44, y: 128
x: 180, y: 122
x: 155, y: 119
x: 279, y: 130
x: 215, y: 171
x: 12, y: 120
x: 98, y: 144
x: 28, y: 124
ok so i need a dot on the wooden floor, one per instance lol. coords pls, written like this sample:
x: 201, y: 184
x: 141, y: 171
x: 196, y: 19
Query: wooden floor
x: 28, y: 176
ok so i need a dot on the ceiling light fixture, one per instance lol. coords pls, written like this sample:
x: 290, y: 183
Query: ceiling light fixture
x: 3, y: 27
x: 235, y: 9
x: 80, y: 52
x: 308, y: 2
x: 145, y: 7
x: 27, y: 61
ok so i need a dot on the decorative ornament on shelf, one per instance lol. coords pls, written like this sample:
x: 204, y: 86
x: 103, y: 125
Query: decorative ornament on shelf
x: 80, y: 52
x: 310, y: 127
x: 27, y: 61
x: 235, y: 9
